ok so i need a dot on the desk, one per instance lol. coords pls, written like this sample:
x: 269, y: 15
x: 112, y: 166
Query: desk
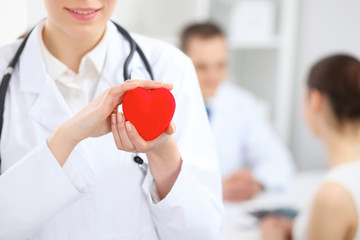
x: 241, y: 226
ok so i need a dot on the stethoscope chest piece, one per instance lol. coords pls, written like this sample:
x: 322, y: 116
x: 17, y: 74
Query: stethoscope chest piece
x: 140, y: 162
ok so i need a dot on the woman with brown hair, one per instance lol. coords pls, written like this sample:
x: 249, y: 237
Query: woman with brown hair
x: 332, y: 111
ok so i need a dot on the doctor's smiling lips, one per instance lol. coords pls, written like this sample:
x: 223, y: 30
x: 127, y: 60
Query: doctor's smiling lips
x: 84, y: 14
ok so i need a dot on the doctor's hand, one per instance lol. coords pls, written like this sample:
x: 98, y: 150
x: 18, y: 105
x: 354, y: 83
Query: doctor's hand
x: 276, y: 228
x: 240, y: 186
x: 127, y: 138
x: 163, y: 154
x: 94, y: 119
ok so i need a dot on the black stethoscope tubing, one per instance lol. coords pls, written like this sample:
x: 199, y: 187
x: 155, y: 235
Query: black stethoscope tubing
x: 134, y: 47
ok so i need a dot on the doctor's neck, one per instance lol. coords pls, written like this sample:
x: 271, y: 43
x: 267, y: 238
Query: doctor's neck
x: 66, y: 48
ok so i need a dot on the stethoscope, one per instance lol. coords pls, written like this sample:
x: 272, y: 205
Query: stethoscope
x: 134, y: 47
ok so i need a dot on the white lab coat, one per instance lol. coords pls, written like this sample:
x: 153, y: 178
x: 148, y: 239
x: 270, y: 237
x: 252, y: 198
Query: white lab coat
x: 244, y: 139
x: 104, y: 195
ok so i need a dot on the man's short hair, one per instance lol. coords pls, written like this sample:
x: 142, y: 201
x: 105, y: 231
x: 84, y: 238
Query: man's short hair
x: 202, y: 30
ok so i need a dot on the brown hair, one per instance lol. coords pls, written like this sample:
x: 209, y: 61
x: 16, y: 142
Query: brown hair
x: 338, y: 77
x: 203, y: 30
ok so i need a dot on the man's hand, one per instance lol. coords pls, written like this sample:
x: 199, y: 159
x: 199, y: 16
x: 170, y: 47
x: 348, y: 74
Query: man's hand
x: 240, y: 186
x: 276, y: 228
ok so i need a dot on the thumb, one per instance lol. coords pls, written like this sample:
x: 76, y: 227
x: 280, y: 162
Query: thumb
x: 170, y: 129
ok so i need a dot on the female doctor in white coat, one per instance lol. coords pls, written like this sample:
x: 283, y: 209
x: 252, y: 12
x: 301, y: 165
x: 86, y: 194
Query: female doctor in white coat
x: 67, y: 156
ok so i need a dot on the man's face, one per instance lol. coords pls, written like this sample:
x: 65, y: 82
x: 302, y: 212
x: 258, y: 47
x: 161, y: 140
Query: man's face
x: 210, y: 58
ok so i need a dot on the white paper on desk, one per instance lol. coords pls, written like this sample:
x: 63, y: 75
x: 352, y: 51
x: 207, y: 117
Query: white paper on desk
x: 240, y: 218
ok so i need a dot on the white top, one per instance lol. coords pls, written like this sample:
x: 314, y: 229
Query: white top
x: 243, y: 138
x: 348, y: 177
x: 103, y: 194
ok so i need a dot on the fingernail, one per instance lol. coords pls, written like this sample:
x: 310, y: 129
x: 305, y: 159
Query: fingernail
x: 120, y: 118
x: 157, y: 83
x: 113, y: 118
x: 128, y: 126
x: 131, y: 82
x: 169, y: 86
x: 174, y: 129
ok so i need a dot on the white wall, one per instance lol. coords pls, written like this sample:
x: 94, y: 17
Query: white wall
x: 17, y: 16
x: 159, y: 18
x: 326, y: 26
x: 36, y: 12
x: 13, y: 20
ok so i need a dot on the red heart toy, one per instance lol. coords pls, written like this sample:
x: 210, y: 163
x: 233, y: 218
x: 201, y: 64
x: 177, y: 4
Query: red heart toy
x: 150, y: 111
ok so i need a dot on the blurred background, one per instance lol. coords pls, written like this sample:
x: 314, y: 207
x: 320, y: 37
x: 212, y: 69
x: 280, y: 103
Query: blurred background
x: 272, y: 43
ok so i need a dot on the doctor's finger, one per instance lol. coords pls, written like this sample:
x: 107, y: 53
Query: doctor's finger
x: 171, y: 129
x: 121, y: 89
x: 115, y: 132
x: 150, y: 84
x: 123, y: 129
x: 159, y: 140
x: 140, y: 144
x: 115, y: 94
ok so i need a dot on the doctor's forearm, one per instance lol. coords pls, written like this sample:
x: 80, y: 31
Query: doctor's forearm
x: 165, y: 165
x: 61, y: 144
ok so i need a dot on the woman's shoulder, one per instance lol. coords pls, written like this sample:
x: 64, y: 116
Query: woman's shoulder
x: 347, y: 176
x: 341, y: 187
x: 332, y: 194
x: 334, y: 203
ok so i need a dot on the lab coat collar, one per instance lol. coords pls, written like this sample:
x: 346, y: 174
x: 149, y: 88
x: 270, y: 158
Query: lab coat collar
x: 215, y: 101
x: 218, y: 104
x: 31, y: 66
x: 49, y: 108
x: 211, y: 102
